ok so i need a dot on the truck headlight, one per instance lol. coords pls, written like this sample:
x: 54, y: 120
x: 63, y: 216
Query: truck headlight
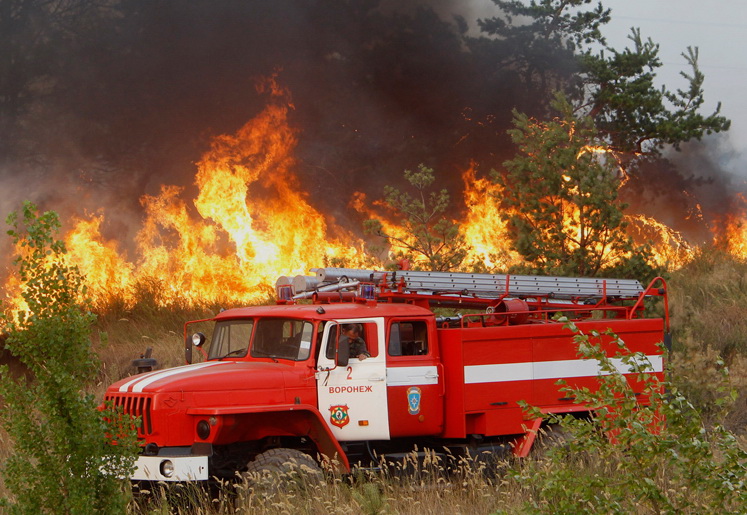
x: 167, y: 468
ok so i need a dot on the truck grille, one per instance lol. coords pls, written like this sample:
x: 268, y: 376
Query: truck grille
x: 136, y: 406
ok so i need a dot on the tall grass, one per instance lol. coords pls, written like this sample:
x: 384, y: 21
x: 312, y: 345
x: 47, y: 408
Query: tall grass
x: 427, y: 487
x: 125, y: 330
x: 707, y: 300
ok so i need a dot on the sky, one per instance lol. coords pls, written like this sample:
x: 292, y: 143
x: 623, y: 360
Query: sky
x: 718, y: 28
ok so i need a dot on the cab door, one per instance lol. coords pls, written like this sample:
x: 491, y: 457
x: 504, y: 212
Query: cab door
x: 415, y: 382
x: 353, y: 398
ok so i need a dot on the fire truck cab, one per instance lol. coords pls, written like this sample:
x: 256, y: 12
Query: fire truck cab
x: 282, y: 377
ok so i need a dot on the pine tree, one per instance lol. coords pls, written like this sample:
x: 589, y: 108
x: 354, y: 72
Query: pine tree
x: 425, y: 235
x: 563, y: 209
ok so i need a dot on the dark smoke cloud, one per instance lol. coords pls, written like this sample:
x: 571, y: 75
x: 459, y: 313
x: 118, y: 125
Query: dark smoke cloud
x: 692, y: 190
x: 377, y: 89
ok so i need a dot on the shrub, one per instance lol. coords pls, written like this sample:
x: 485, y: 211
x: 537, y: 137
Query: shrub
x: 61, y: 461
x: 632, y: 458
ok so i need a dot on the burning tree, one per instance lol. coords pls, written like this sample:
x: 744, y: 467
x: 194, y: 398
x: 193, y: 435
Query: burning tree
x: 424, y: 235
x: 563, y: 210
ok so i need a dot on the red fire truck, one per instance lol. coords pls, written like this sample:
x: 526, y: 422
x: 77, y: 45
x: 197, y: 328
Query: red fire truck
x: 275, y: 383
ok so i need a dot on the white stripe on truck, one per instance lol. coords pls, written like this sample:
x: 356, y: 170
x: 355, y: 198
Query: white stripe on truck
x: 137, y: 384
x: 535, y: 370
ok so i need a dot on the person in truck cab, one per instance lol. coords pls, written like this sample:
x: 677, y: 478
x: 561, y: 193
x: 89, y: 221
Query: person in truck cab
x: 351, y: 335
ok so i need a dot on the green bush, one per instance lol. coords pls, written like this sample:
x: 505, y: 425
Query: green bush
x: 660, y: 457
x: 61, y: 460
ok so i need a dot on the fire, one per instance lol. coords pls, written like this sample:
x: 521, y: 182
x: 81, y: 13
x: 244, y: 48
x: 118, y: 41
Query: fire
x: 669, y: 247
x: 107, y: 274
x: 484, y: 229
x: 252, y: 224
x: 737, y: 239
x: 399, y: 240
x: 734, y: 230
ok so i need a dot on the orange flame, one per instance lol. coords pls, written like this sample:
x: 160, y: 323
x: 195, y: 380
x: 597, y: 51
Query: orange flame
x: 251, y: 222
x: 106, y: 273
x: 254, y: 225
x: 670, y: 249
x: 484, y: 229
x: 733, y: 234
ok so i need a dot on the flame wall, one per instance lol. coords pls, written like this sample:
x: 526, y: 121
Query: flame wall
x: 152, y: 137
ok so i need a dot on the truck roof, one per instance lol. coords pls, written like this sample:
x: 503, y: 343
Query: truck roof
x: 327, y: 311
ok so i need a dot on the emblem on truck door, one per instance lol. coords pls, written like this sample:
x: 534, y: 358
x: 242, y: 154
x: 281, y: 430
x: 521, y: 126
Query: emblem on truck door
x: 413, y: 400
x: 339, y: 415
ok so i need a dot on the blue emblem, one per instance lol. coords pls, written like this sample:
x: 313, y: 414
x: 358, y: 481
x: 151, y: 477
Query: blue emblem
x: 413, y: 400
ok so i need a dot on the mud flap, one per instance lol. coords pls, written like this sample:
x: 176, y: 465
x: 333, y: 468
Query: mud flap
x: 523, y: 445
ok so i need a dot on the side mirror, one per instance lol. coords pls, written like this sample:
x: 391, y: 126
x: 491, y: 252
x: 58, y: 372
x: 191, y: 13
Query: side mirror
x: 342, y: 354
x: 188, y: 350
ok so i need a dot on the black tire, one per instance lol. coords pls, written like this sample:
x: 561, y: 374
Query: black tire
x: 551, y: 437
x: 281, y: 470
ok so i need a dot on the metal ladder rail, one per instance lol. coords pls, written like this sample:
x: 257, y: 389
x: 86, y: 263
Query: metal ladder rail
x: 490, y: 285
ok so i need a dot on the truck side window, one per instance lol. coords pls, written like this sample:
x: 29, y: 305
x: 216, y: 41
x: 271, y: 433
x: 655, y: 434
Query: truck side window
x: 368, y: 334
x: 334, y: 336
x: 408, y: 338
x: 306, y: 336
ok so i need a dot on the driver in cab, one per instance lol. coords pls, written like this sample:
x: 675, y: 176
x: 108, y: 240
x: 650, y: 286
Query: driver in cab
x: 351, y: 336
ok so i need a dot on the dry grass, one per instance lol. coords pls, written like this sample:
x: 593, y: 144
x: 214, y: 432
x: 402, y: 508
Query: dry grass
x: 426, y: 488
x: 707, y: 306
x: 119, y: 338
x: 708, y: 300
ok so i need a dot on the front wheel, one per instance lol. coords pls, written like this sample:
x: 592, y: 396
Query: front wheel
x: 280, y: 470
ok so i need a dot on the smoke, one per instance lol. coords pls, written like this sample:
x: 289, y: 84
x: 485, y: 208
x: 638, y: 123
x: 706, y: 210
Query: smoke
x: 693, y: 190
x: 135, y: 97
x: 376, y: 89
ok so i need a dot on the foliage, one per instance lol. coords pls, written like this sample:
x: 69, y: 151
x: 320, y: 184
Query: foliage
x: 542, y: 45
x: 564, y: 212
x: 61, y: 461
x: 559, y: 46
x: 633, y: 458
x: 427, y: 237
x: 632, y: 112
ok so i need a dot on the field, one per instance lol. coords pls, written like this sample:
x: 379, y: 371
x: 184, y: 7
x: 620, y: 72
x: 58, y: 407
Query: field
x: 707, y: 301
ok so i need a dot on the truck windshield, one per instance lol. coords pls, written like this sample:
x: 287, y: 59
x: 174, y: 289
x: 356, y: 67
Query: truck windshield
x: 282, y: 338
x: 231, y: 339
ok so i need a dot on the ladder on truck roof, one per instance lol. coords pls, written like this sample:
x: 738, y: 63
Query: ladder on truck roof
x: 459, y: 283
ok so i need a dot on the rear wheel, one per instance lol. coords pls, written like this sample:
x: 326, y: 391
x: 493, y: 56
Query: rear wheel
x: 551, y: 437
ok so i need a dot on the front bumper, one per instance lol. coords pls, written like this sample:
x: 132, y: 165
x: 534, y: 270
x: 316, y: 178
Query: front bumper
x: 183, y: 468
